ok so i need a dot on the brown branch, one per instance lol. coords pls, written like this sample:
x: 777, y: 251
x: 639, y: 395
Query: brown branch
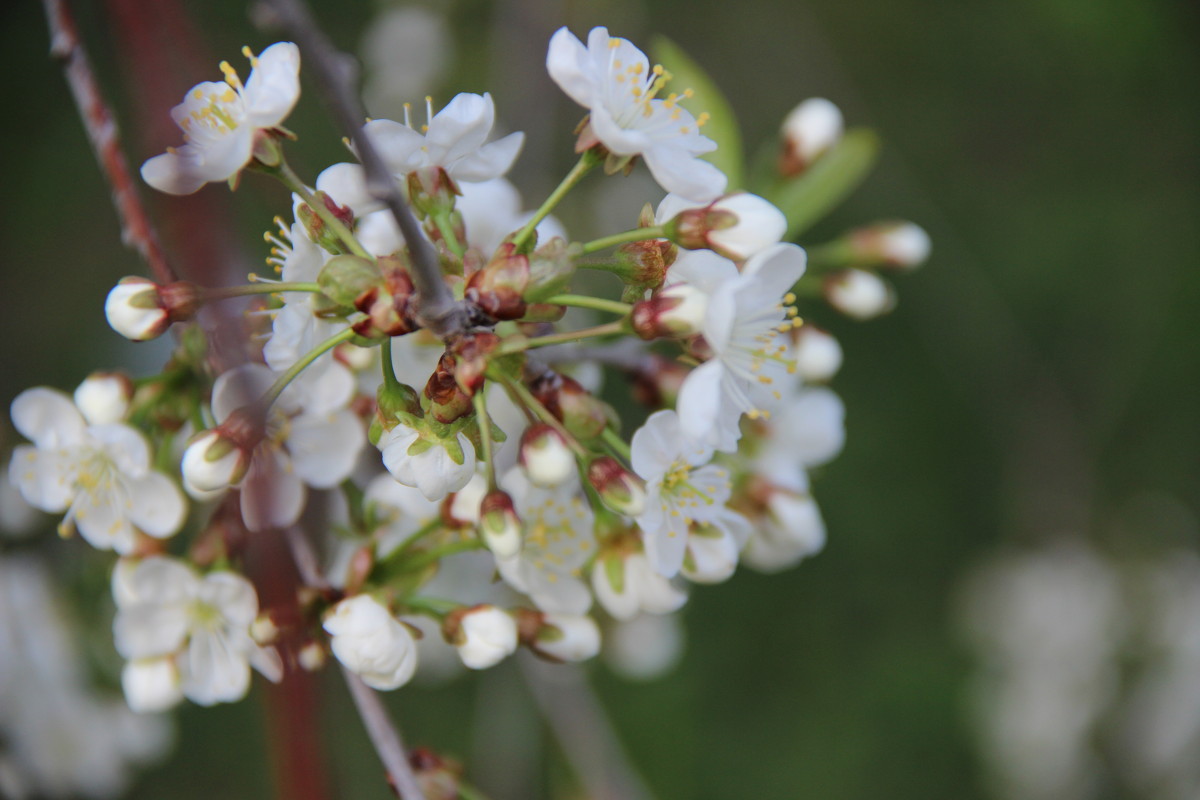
x: 334, y: 72
x: 384, y: 735
x: 101, y: 127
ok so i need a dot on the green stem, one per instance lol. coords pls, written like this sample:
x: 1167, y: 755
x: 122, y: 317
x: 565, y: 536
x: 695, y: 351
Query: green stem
x: 586, y: 162
x: 390, y: 381
x: 432, y: 606
x: 485, y: 435
x: 518, y: 345
x: 305, y: 360
x: 594, y: 303
x: 635, y: 235
x: 618, y: 445
x: 421, y: 560
x: 258, y: 288
x: 292, y: 181
x: 442, y: 221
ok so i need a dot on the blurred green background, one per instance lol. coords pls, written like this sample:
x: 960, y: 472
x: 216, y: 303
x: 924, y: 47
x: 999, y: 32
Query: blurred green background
x: 1039, y: 374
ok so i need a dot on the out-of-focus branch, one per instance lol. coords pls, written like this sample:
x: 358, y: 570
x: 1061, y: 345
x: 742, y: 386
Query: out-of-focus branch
x: 384, y: 735
x: 334, y: 73
x: 101, y: 127
x: 574, y: 713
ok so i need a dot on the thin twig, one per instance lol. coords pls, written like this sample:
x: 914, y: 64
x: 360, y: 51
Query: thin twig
x: 67, y: 48
x: 384, y: 735
x: 334, y: 71
x: 574, y: 713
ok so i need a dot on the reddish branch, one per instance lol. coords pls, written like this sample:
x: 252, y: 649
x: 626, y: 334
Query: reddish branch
x: 101, y: 127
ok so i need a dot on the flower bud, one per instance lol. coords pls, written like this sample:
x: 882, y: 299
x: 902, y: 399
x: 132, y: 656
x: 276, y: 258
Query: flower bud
x: 619, y: 489
x: 712, y: 555
x: 316, y: 228
x: 438, y: 778
x: 859, y: 294
x: 104, y: 397
x: 901, y: 245
x: 500, y: 525
x: 471, y: 351
x: 311, y: 657
x: 447, y: 400
x: 547, y: 459
x: 432, y: 191
x: 484, y: 635
x: 214, y: 461
x: 812, y: 128
x: 550, y: 269
x: 140, y: 309
x: 499, y: 287
x: 818, y: 355
x: 151, y: 684
x: 626, y: 584
x: 369, y: 641
x: 344, y: 279
x: 389, y: 308
x: 676, y: 311
x: 582, y: 414
x: 736, y: 226
x: 567, y: 637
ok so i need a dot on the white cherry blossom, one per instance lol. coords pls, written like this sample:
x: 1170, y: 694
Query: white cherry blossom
x: 743, y: 326
x: 221, y: 121
x: 426, y: 463
x: 100, y: 475
x: 371, y: 642
x: 736, y: 226
x: 166, y: 610
x: 613, y: 79
x: 681, y: 488
x: 568, y: 637
x: 558, y: 541
x: 626, y: 584
x: 486, y: 636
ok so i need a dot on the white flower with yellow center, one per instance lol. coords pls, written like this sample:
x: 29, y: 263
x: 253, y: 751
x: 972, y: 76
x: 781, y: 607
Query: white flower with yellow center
x: 681, y: 488
x: 166, y: 611
x: 744, y: 326
x: 559, y: 539
x: 613, y: 79
x: 221, y: 121
x: 100, y: 475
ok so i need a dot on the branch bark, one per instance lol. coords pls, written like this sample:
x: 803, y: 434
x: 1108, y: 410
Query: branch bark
x: 384, y: 735
x: 67, y: 48
x: 335, y: 73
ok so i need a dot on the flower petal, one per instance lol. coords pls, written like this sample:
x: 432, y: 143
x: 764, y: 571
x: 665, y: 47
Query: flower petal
x: 48, y: 418
x: 158, y: 506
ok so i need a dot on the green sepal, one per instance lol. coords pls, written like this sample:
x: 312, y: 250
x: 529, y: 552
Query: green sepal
x: 344, y: 278
x: 614, y: 570
x: 722, y: 126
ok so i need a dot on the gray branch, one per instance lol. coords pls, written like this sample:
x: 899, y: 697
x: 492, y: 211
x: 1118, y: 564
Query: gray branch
x: 335, y: 74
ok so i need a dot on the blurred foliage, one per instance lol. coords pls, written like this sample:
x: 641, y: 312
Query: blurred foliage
x: 1038, y: 373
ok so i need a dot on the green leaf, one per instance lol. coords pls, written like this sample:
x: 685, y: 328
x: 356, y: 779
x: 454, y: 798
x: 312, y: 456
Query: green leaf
x: 722, y: 125
x: 808, y: 198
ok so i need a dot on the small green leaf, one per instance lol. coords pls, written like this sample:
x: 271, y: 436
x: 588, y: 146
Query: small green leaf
x: 722, y: 126
x: 808, y: 198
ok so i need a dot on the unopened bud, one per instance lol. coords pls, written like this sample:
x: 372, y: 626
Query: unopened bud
x: 218, y: 458
x: 311, y: 657
x: 901, y: 245
x: 498, y: 288
x: 736, y: 226
x: 619, y: 489
x: 432, y: 191
x: 316, y: 228
x: 500, y: 525
x: 550, y: 269
x: 140, y: 309
x: 567, y: 637
x: 104, y: 397
x: 712, y: 555
x: 389, y: 308
x: 583, y: 415
x: 471, y: 353
x: 447, y: 400
x: 484, y: 635
x: 644, y: 264
x: 676, y: 311
x: 818, y: 355
x: 344, y: 279
x: 396, y: 399
x: 547, y: 459
x: 263, y: 630
x: 812, y: 128
x: 859, y: 294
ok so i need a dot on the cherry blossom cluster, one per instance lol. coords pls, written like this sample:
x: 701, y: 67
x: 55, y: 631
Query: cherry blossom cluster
x: 473, y: 491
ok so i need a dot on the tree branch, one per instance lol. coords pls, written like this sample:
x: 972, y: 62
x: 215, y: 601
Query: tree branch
x: 67, y: 48
x: 382, y: 732
x: 334, y: 72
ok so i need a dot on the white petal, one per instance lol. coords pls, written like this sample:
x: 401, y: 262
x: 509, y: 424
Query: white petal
x: 178, y: 173
x: 45, y: 478
x: 272, y: 494
x: 151, y: 684
x: 566, y: 62
x: 274, y: 85
x: 239, y: 387
x: 678, y: 171
x: 325, y: 448
x: 212, y: 672
x: 48, y: 418
x: 158, y: 506
x: 398, y: 145
x: 699, y: 401
x: 149, y: 630
x: 460, y: 128
x: 490, y: 161
x: 347, y: 185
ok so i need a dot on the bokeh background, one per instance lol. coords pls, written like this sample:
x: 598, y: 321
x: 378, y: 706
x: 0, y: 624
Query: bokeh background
x: 1030, y: 408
